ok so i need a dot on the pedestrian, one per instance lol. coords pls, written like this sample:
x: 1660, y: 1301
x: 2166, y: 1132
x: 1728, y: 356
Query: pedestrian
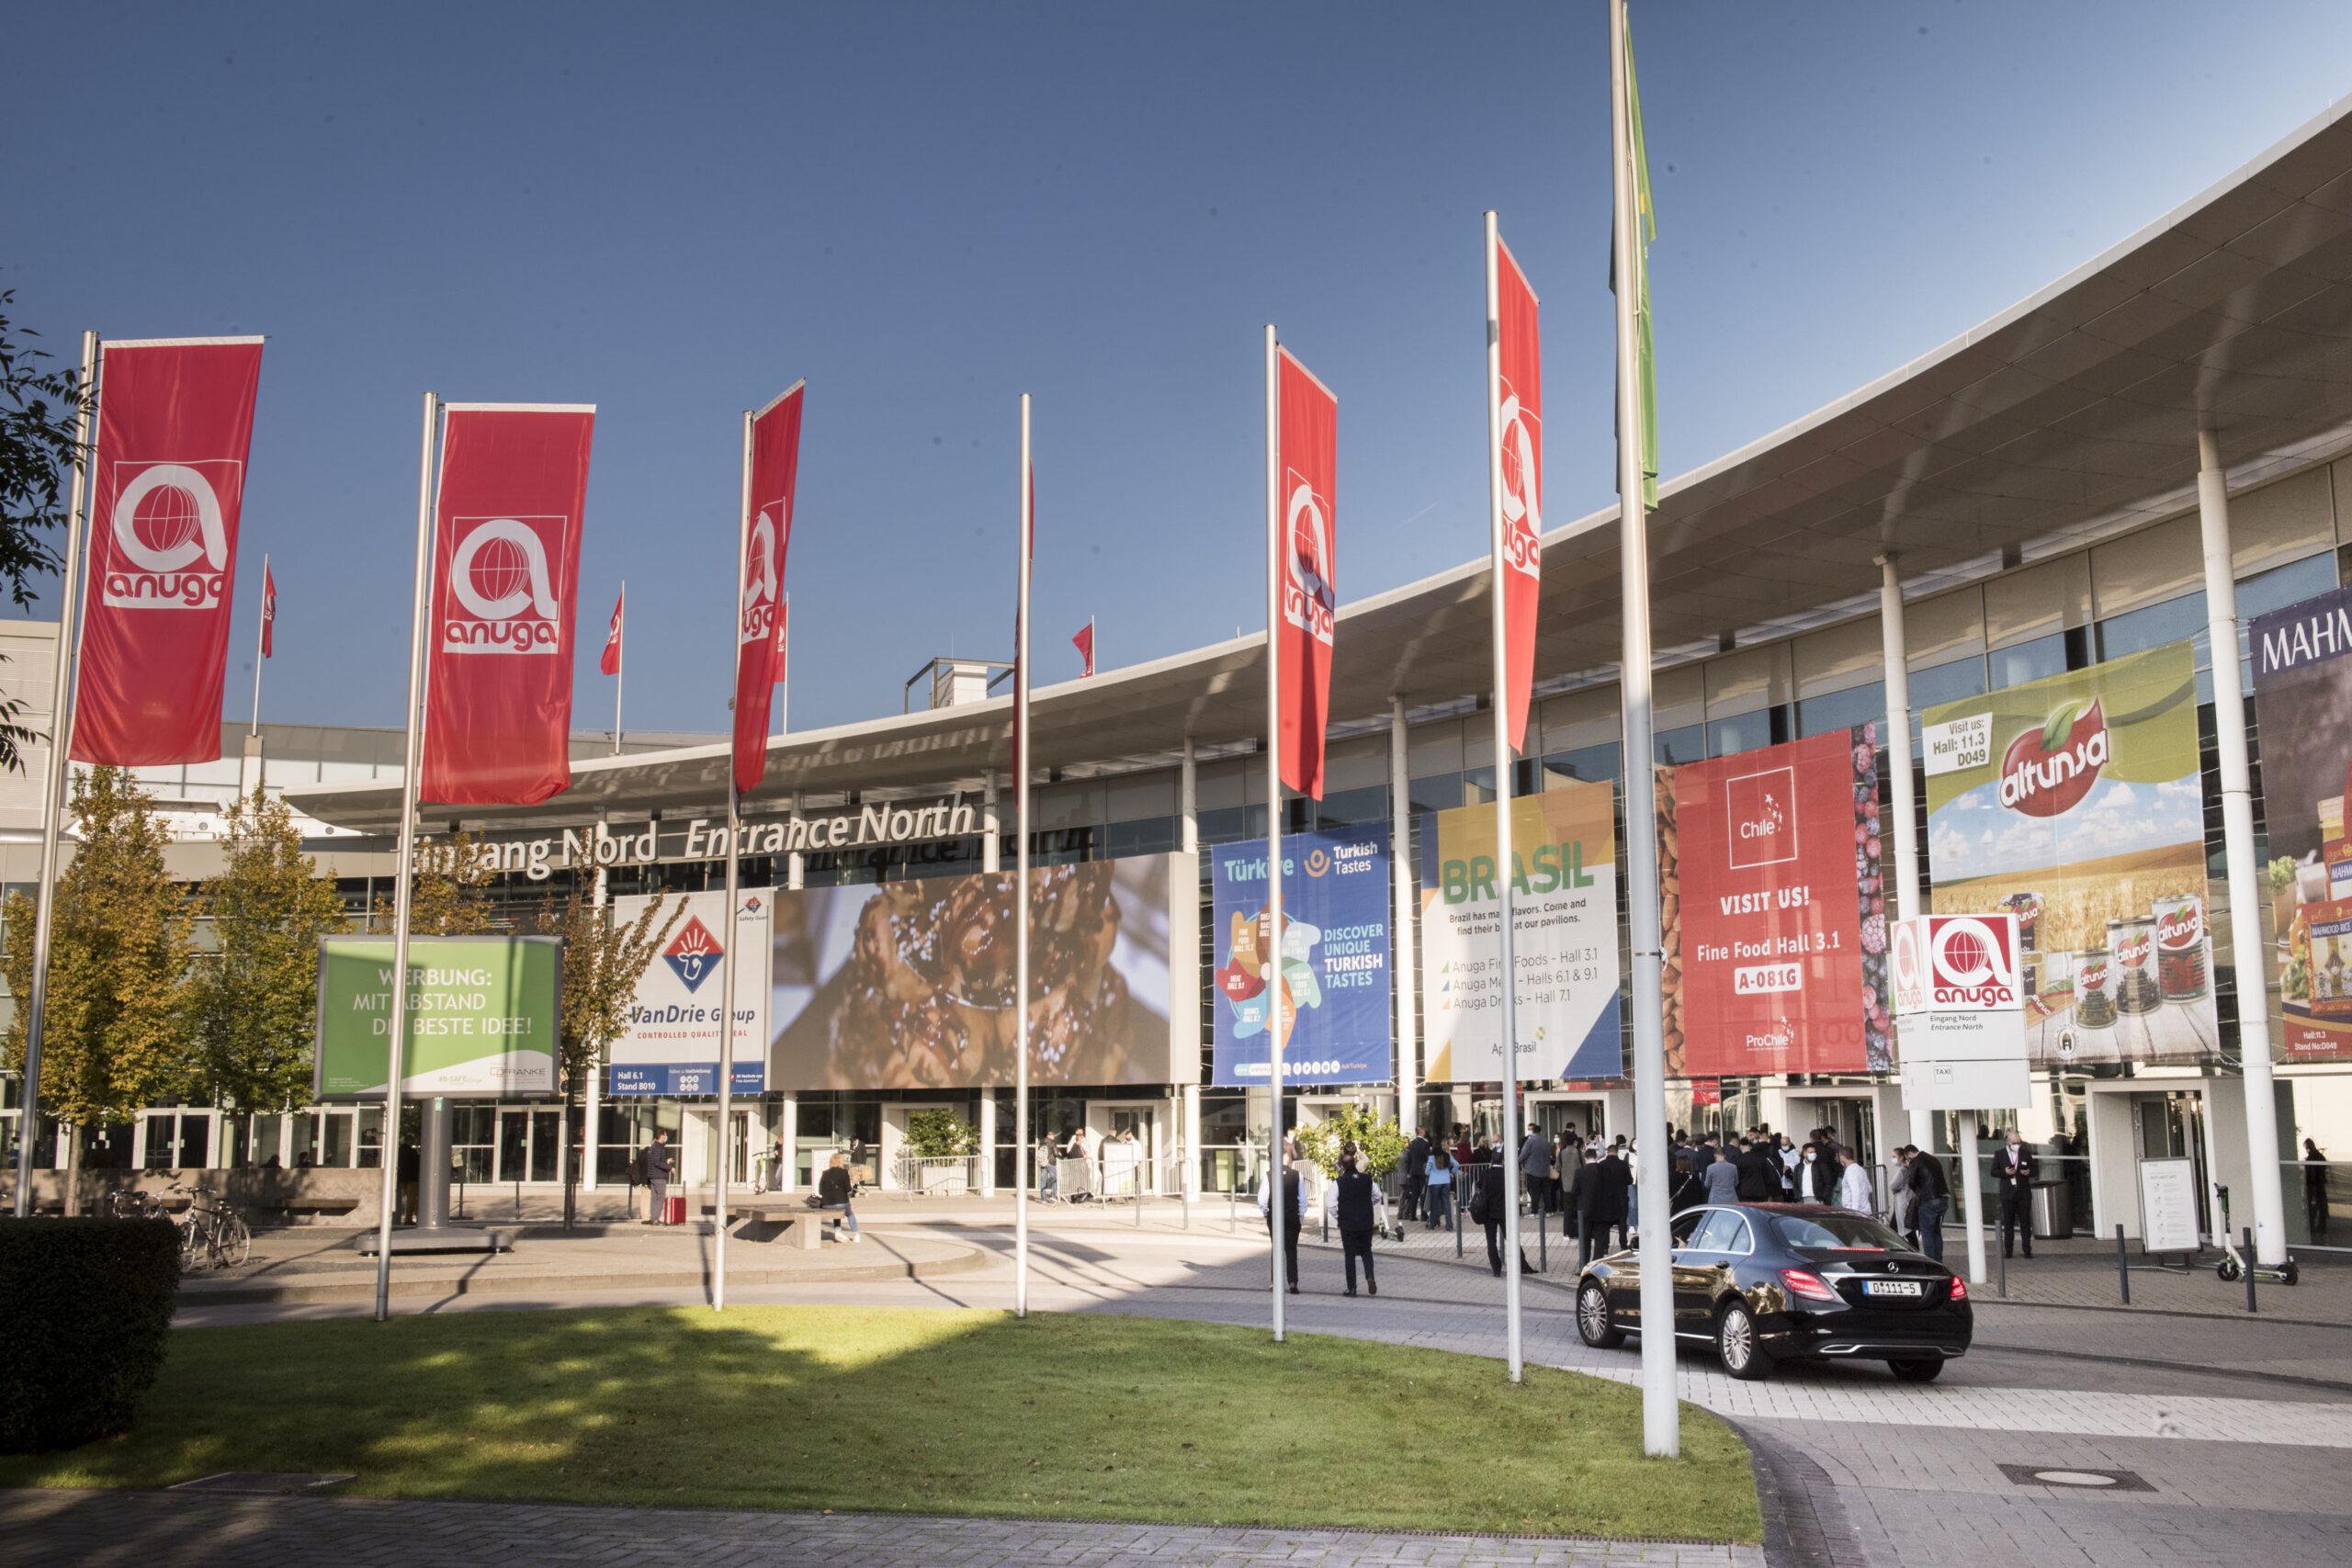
x: 1931, y: 1195
x: 1416, y: 1168
x: 1812, y: 1184
x: 1720, y: 1180
x: 1353, y: 1192
x: 1601, y: 1204
x: 2013, y: 1168
x: 833, y: 1189
x: 1491, y: 1208
x: 1294, y: 1202
x: 1534, y: 1167
x: 1785, y: 1154
x: 2314, y: 1190
x: 410, y: 1165
x: 1463, y: 1152
x: 1689, y: 1190
x: 656, y: 1167
x: 1899, y: 1194
x: 1853, y: 1184
x: 1759, y: 1173
x: 1438, y: 1187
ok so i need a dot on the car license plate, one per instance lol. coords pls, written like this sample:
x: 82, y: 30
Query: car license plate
x: 1891, y: 1287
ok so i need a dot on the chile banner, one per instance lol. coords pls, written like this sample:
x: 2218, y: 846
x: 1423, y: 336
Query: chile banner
x: 175, y: 425
x: 775, y: 465
x: 1519, y: 427
x: 1308, y: 443
x: 506, y: 548
x: 1332, y: 991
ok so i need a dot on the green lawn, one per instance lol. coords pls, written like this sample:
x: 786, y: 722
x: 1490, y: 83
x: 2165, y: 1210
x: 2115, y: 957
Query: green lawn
x: 921, y: 1410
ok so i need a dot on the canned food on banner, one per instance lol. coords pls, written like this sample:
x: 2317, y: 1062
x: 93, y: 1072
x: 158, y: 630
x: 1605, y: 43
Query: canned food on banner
x: 2180, y: 949
x: 2095, y: 988
x: 2027, y: 907
x: 2133, y: 944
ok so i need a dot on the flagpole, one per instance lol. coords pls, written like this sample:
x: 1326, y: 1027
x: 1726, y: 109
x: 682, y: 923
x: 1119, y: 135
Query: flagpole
x: 1661, y: 1420
x: 61, y: 744
x: 1504, y: 699
x: 784, y: 646
x: 396, y: 1055
x: 731, y: 926
x: 1021, y: 884
x: 259, y: 631
x: 620, y: 667
x: 1277, y: 1219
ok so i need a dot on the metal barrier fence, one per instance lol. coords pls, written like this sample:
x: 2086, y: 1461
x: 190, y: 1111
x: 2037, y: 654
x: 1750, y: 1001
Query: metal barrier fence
x: 936, y: 1176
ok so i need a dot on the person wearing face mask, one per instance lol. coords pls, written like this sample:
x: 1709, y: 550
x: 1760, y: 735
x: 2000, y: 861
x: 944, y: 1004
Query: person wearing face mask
x: 2013, y: 1168
x: 1811, y: 1187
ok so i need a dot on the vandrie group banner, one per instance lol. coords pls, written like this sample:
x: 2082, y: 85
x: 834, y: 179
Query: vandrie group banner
x: 485, y: 1014
x: 1332, y: 995
x: 2076, y: 802
x: 1773, y: 910
x: 1564, y: 930
x: 506, y: 568
x: 671, y: 1046
x: 2303, y: 687
x: 175, y: 423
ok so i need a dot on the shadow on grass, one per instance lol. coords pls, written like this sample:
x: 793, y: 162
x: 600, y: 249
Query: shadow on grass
x: 925, y: 1410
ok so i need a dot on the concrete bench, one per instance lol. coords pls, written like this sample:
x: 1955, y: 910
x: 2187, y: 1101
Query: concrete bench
x: 766, y: 1219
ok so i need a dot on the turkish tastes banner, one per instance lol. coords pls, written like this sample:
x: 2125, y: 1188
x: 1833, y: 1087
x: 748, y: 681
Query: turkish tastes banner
x: 2302, y: 683
x: 1564, y: 933
x: 506, y: 555
x: 1332, y: 995
x: 484, y: 1015
x: 1519, y: 426
x: 1308, y: 552
x: 671, y: 1046
x: 758, y: 606
x: 175, y: 424
x: 1773, y: 912
x: 2076, y: 802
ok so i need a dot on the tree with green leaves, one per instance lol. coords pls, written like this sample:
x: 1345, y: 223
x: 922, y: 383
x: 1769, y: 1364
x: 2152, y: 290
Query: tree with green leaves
x: 603, y: 961
x: 253, y: 999
x: 1376, y: 1137
x: 445, y: 896
x: 38, y: 411
x: 115, y: 1035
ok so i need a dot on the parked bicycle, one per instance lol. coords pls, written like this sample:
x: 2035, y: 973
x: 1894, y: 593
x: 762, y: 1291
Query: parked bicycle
x: 131, y: 1204
x: 214, y: 1234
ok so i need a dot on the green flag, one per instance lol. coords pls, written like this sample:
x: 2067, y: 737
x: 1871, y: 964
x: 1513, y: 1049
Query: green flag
x: 1645, y: 231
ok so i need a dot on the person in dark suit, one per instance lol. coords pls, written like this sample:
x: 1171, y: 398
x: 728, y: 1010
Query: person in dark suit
x: 656, y: 1165
x: 2013, y: 1168
x: 1416, y: 1168
x: 1493, y: 1209
x: 1759, y: 1175
x: 1353, y: 1207
x: 1601, y: 1204
x: 1293, y: 1214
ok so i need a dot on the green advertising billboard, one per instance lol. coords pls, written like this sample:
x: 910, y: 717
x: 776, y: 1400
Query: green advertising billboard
x: 483, y: 1014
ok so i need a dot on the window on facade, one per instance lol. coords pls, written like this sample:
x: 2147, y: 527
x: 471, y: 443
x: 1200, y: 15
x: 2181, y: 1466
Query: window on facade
x: 2026, y: 662
x: 1589, y: 763
x: 1439, y: 792
x: 1748, y: 731
x: 1843, y: 710
x: 1688, y: 744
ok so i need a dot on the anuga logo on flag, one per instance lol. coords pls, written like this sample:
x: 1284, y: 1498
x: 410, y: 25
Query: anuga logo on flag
x: 694, y: 955
x: 167, y: 547
x: 503, y: 593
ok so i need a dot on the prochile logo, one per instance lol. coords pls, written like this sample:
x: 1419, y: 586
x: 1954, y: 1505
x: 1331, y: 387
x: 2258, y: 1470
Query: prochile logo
x: 167, y: 518
x: 1974, y: 961
x: 1311, y: 596
x: 1522, y: 490
x: 757, y: 611
x: 503, y: 593
x: 694, y: 956
x: 1757, y: 820
x: 2047, y: 772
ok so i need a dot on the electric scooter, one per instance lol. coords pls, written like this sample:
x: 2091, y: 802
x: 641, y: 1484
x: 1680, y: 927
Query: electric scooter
x: 2235, y: 1264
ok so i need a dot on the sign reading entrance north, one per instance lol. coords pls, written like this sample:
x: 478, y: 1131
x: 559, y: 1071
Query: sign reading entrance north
x: 671, y: 1046
x: 1331, y: 981
x: 483, y: 1014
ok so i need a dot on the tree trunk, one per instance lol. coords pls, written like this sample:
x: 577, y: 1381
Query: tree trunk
x: 574, y: 1149
x: 74, y: 1170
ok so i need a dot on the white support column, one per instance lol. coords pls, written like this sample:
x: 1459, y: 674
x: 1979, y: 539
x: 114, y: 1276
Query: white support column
x: 991, y: 832
x: 788, y: 1134
x: 2245, y: 954
x: 793, y: 864
x: 1192, y: 1150
x: 988, y: 1142
x: 1903, y: 901
x: 1188, y: 1136
x: 1400, y: 945
x: 592, y: 1110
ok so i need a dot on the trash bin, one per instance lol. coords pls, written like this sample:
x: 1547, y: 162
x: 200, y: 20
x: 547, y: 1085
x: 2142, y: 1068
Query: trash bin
x: 2053, y: 1210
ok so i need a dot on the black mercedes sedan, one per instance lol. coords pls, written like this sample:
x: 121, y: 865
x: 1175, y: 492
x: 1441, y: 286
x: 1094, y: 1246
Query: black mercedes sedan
x: 1766, y: 1282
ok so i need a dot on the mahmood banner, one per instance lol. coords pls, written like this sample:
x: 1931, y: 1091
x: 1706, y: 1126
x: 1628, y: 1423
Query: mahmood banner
x: 1518, y: 426
x: 759, y: 612
x: 1773, y: 910
x: 1308, y: 554
x: 671, y: 1046
x: 2302, y: 683
x: 483, y: 1016
x: 2076, y: 802
x: 1332, y: 995
x: 498, y: 707
x: 175, y: 425
x: 1564, y: 927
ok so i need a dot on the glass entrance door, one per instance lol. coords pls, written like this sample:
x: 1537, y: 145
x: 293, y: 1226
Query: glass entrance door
x: 2172, y: 1126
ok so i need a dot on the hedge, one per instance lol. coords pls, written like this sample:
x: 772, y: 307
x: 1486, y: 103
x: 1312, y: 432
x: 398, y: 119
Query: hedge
x: 86, y: 1312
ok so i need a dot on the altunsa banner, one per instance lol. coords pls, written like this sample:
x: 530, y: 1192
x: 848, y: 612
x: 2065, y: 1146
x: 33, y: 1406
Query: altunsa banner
x: 759, y: 607
x: 671, y: 1046
x: 1563, y: 929
x: 1308, y: 553
x: 2076, y: 804
x: 176, y: 422
x: 1326, y: 989
x: 484, y: 1015
x: 1772, y: 909
x: 1519, y: 427
x: 2302, y: 685
x: 506, y: 571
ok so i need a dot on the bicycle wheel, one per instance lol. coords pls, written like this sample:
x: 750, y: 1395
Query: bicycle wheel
x: 236, y: 1241
x: 192, y: 1240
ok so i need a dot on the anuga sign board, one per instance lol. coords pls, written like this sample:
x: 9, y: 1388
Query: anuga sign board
x: 483, y: 1014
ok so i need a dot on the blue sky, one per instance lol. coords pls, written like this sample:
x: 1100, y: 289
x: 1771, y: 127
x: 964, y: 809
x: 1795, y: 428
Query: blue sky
x: 926, y: 210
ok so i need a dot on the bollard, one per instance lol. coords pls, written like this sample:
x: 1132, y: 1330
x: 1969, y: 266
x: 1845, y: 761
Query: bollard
x: 2122, y: 1267
x: 1543, y: 1244
x: 2247, y: 1252
x: 2003, y: 1281
x: 1458, y: 1219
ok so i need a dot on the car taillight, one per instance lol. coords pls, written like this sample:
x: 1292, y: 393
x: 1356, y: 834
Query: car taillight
x: 1958, y: 1289
x: 1807, y: 1284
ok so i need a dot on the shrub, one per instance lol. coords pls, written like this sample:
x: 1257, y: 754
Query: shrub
x: 86, y: 1312
x: 938, y: 1134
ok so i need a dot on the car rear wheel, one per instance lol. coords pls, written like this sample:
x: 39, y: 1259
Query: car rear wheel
x: 1592, y: 1319
x: 1742, y: 1354
x: 1925, y: 1370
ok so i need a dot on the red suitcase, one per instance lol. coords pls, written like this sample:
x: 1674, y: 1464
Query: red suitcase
x: 677, y: 1215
